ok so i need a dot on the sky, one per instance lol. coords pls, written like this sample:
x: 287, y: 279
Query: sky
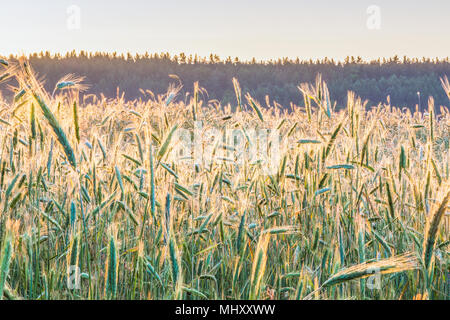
x: 238, y: 28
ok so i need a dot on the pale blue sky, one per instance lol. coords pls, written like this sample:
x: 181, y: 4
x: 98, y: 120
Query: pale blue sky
x: 244, y: 28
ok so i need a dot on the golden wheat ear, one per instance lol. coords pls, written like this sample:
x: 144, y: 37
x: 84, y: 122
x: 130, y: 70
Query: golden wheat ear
x: 396, y: 264
x: 34, y: 88
x: 432, y: 230
x: 70, y: 82
x: 446, y: 86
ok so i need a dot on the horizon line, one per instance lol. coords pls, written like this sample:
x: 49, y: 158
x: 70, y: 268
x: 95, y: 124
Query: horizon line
x: 223, y: 59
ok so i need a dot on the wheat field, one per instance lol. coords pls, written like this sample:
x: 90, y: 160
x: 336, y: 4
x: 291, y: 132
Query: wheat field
x: 98, y: 202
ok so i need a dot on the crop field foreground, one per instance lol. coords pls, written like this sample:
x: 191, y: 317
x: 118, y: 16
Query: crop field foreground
x: 172, y: 197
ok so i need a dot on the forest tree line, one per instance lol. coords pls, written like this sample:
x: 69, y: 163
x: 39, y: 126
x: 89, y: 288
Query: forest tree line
x: 399, y: 78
